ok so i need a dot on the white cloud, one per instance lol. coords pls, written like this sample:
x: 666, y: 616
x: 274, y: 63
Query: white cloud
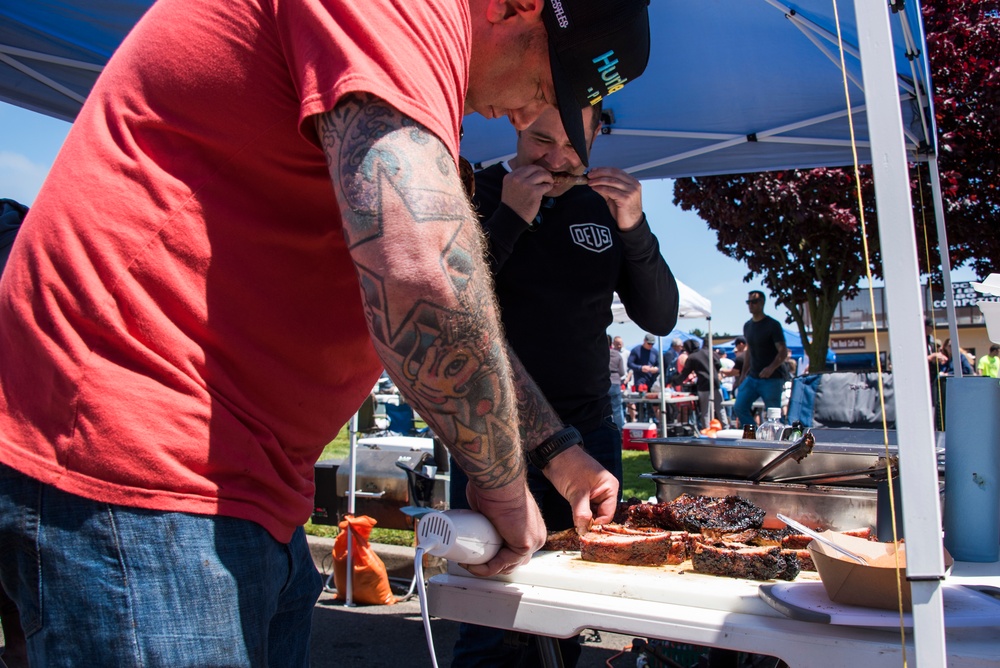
x: 20, y: 178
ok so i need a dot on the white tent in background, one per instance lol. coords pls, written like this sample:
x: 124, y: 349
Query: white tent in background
x: 690, y: 305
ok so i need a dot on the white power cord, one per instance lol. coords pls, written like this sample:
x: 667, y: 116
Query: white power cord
x: 464, y: 536
x: 418, y: 570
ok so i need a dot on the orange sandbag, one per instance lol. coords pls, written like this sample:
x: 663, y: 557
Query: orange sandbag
x: 370, y: 584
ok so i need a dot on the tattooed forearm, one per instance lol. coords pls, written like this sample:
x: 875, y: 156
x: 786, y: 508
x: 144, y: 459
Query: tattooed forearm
x: 537, y: 419
x: 427, y: 295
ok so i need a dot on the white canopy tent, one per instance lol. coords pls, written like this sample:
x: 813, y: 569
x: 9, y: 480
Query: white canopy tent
x: 690, y: 305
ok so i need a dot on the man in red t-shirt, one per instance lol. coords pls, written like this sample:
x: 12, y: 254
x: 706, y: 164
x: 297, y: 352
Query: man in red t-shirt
x: 257, y: 209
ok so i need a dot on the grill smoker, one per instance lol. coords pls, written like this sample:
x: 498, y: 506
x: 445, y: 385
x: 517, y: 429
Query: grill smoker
x: 392, y: 472
x: 839, y: 485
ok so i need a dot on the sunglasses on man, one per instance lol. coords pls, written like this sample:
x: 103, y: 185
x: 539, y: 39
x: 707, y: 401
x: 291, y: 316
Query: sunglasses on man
x: 756, y: 300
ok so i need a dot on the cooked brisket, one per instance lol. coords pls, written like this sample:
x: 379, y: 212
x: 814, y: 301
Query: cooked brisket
x: 633, y: 546
x: 567, y: 540
x: 744, y: 561
x: 695, y: 513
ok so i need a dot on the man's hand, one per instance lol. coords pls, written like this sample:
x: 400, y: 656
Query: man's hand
x: 524, y: 188
x: 516, y: 518
x: 622, y: 192
x: 591, y: 490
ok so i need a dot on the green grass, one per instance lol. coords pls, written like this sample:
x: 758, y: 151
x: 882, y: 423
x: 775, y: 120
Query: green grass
x: 634, y: 462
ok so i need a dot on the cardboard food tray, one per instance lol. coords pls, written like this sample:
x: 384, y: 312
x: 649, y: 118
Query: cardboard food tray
x: 873, y: 585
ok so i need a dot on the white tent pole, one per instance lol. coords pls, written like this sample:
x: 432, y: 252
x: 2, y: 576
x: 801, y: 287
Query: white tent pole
x: 915, y: 427
x: 352, y: 431
x: 663, y: 388
x: 949, y: 295
x: 711, y: 375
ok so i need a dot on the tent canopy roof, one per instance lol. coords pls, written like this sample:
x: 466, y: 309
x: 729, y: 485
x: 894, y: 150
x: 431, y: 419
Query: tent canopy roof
x: 732, y: 85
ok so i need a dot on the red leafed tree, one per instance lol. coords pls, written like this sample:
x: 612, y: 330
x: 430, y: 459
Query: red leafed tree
x: 963, y: 45
x: 799, y: 230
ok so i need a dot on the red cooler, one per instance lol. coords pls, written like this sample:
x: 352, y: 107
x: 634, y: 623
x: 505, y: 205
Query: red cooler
x: 634, y: 430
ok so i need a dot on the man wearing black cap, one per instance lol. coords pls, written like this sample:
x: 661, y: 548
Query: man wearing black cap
x: 561, y: 244
x: 257, y: 210
x: 644, y: 361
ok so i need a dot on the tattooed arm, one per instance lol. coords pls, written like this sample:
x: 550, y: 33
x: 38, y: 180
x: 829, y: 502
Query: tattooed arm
x: 429, y: 303
x: 592, y: 491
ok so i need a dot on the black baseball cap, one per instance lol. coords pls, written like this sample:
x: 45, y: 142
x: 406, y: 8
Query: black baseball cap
x: 595, y: 48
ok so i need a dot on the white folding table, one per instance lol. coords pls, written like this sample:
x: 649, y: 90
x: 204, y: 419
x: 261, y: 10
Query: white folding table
x: 557, y: 594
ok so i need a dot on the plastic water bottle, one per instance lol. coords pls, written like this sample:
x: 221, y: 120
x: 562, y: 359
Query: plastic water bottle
x: 772, y: 428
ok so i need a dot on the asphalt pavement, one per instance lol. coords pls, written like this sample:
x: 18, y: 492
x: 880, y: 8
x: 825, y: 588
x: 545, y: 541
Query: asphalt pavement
x: 391, y: 636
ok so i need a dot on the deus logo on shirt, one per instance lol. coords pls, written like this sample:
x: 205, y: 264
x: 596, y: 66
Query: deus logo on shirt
x: 596, y: 238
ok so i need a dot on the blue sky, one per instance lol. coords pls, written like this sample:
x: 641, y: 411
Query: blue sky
x: 29, y: 143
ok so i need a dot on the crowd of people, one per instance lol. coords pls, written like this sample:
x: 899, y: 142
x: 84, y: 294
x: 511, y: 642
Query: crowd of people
x: 761, y: 369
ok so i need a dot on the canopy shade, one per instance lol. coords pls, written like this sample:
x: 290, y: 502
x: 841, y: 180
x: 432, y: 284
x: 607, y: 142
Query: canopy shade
x: 740, y: 86
x: 732, y: 86
x: 51, y: 51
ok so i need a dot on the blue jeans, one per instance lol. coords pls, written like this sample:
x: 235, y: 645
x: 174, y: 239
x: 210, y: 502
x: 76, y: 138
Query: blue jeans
x: 750, y: 389
x: 105, y: 585
x: 617, y: 409
x: 484, y: 647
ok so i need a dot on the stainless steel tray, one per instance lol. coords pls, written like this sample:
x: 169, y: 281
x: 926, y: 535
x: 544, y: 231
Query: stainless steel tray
x: 822, y: 507
x: 835, y: 450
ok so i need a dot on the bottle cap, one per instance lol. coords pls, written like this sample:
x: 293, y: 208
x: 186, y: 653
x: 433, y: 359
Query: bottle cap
x: 773, y: 413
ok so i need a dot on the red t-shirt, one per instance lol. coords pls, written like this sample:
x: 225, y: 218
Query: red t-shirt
x: 180, y: 321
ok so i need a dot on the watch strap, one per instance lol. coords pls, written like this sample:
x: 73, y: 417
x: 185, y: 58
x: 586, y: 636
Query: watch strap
x: 553, y: 445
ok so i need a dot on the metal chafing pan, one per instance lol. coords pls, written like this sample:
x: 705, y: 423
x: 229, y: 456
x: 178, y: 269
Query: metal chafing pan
x: 835, y: 451
x: 819, y: 506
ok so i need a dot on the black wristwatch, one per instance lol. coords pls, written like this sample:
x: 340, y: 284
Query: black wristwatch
x: 561, y: 440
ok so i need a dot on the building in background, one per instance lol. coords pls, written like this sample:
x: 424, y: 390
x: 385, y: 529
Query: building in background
x: 851, y: 336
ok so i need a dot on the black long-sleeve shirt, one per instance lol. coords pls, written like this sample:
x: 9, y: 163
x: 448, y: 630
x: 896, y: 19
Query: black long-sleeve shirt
x: 555, y: 283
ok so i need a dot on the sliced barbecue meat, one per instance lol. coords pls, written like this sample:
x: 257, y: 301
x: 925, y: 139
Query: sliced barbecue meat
x: 759, y: 537
x: 795, y: 540
x: 621, y: 512
x: 729, y: 514
x: 803, y: 556
x: 567, y: 540
x: 744, y: 561
x: 633, y: 546
x: 697, y: 513
x: 748, y: 537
